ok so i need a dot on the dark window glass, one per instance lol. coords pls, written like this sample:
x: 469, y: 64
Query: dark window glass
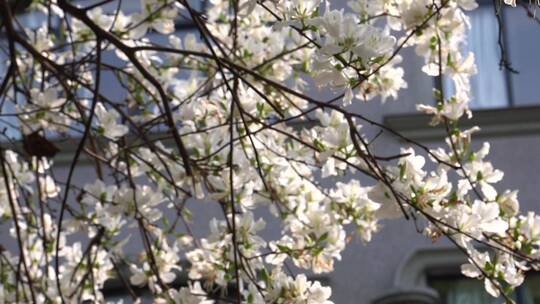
x: 457, y: 289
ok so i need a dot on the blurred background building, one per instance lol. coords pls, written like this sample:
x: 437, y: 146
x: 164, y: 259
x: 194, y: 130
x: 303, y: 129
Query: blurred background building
x: 400, y: 265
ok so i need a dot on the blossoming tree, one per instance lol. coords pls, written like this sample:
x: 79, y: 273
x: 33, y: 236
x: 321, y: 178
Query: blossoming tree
x: 225, y: 115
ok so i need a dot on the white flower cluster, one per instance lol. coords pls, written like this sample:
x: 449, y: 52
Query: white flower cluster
x: 226, y: 117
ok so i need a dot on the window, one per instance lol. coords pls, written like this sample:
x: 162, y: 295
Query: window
x: 457, y: 289
x: 490, y: 86
x: 494, y: 87
x: 432, y: 276
x: 521, y: 35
